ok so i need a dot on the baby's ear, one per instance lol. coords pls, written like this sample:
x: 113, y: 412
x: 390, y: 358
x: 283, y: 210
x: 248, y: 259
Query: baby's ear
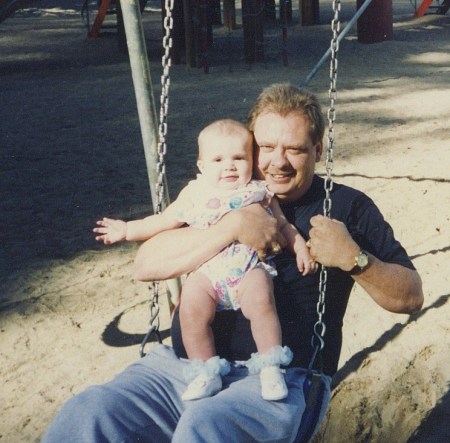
x: 200, y: 166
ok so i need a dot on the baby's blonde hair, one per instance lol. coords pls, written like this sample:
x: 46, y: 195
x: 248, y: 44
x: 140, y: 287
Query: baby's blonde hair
x: 226, y: 126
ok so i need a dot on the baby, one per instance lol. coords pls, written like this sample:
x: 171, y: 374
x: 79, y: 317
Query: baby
x: 235, y: 278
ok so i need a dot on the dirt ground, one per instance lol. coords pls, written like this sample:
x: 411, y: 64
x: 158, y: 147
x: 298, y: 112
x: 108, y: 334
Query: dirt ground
x: 72, y: 315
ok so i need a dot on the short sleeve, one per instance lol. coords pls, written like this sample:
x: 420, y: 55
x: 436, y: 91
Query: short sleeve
x: 373, y: 233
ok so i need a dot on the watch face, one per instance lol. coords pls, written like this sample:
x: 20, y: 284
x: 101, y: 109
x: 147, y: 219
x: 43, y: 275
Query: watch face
x: 362, y: 260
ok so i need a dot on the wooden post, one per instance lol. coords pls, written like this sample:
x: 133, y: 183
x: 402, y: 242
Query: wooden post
x: 309, y: 12
x: 376, y: 23
x: 204, y: 33
x: 229, y: 14
x: 191, y: 55
x: 285, y: 11
x: 270, y: 13
x: 253, y: 24
x: 214, y: 11
x: 284, y: 22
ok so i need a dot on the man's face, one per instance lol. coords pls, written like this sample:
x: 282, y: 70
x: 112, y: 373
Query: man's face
x: 286, y: 156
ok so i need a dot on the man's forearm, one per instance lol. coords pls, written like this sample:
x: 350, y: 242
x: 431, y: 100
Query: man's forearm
x: 394, y: 287
x: 174, y: 253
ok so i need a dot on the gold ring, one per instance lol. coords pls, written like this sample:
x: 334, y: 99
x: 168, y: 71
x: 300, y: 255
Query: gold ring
x: 308, y: 243
x: 276, y: 248
x: 262, y: 255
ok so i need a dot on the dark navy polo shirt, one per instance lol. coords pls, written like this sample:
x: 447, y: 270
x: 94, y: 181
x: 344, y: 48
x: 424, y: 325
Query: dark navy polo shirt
x: 296, y: 295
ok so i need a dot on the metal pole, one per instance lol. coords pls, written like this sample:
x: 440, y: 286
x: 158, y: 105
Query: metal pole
x: 342, y: 34
x: 140, y: 71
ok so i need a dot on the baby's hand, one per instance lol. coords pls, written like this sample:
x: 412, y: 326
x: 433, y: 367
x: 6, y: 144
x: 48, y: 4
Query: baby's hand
x: 306, y: 264
x: 112, y: 231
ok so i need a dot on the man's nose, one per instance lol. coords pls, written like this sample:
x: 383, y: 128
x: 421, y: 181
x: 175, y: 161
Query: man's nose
x: 279, y: 157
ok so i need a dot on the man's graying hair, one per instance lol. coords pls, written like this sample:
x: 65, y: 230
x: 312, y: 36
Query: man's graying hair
x: 283, y: 99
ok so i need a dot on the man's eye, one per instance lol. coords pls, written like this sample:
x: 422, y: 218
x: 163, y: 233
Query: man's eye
x: 265, y: 148
x: 297, y: 151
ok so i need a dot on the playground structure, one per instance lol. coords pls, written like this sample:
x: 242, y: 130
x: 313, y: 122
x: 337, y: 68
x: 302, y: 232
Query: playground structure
x: 438, y: 7
x: 193, y: 22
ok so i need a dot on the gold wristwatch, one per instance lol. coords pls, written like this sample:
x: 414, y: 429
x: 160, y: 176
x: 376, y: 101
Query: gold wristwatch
x: 361, y: 262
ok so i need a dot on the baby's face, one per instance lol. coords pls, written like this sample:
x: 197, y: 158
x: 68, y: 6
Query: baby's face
x: 227, y: 160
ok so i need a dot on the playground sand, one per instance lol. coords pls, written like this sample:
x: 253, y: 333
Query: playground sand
x: 71, y: 152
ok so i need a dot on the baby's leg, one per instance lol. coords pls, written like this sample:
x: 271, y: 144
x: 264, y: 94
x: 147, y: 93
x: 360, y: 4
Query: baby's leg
x: 197, y: 310
x: 258, y: 305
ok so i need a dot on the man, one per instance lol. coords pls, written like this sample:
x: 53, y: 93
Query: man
x: 357, y: 245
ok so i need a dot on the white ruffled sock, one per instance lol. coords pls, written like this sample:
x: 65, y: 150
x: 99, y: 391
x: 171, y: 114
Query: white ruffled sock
x: 204, y: 377
x: 273, y: 384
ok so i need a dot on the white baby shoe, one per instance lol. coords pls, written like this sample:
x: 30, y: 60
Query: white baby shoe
x: 273, y: 385
x: 204, y: 385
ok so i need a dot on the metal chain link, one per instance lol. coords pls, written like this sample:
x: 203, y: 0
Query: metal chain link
x: 164, y: 103
x: 320, y: 327
x: 161, y: 153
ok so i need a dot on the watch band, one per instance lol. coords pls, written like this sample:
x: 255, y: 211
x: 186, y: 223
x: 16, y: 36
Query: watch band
x: 361, y: 262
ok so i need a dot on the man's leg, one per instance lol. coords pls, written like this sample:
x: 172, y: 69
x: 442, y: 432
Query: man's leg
x: 238, y: 414
x: 143, y: 403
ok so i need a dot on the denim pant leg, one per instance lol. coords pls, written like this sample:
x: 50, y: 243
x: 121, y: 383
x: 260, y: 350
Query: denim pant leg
x: 143, y: 404
x: 238, y: 414
x: 137, y: 405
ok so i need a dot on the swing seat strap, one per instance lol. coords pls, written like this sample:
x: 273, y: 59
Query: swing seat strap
x: 315, y: 390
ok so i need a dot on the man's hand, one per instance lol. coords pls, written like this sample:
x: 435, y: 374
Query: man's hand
x: 331, y: 244
x: 394, y: 287
x: 255, y: 227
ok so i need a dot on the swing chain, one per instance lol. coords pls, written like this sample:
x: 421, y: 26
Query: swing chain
x: 154, y: 319
x: 320, y: 327
x: 164, y: 104
x: 160, y: 163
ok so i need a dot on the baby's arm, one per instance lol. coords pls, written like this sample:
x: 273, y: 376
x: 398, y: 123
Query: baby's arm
x: 295, y: 242
x: 113, y: 231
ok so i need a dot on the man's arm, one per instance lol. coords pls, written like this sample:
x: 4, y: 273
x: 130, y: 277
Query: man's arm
x: 394, y: 287
x: 173, y: 253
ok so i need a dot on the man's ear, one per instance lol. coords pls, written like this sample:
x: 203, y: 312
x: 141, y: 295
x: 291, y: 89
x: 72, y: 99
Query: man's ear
x: 200, y: 166
x: 256, y: 171
x: 319, y: 150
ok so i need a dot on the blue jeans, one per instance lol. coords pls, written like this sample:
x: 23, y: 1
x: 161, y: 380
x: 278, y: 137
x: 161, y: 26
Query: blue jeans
x: 143, y: 404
